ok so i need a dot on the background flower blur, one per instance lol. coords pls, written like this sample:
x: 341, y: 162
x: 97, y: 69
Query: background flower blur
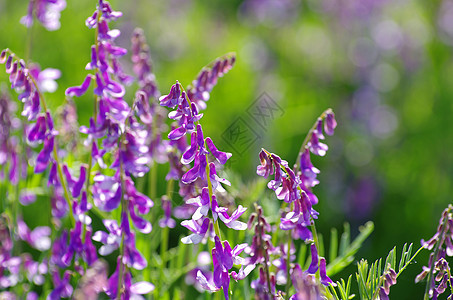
x: 384, y: 67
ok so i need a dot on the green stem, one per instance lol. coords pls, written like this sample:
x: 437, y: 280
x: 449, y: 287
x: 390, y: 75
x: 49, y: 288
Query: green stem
x: 164, y: 240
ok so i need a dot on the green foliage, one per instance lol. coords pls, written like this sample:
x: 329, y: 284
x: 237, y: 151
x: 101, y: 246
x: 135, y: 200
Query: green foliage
x: 343, y: 256
x: 370, y: 279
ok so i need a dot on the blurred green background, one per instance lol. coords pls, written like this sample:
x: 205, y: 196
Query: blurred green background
x: 384, y: 67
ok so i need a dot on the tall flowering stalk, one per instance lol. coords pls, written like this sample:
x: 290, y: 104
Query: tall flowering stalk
x: 118, y: 131
x: 208, y: 211
x: 294, y: 187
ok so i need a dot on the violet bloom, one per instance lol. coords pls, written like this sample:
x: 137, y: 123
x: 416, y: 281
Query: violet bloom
x: 223, y: 258
x: 46, y: 11
x: 38, y: 238
x: 112, y: 240
x: 198, y: 230
x: 260, y: 285
x: 77, y: 248
x: 59, y: 249
x: 129, y: 290
x: 305, y: 284
x: 45, y: 78
x: 325, y: 280
x: 62, y: 287
x: 166, y: 221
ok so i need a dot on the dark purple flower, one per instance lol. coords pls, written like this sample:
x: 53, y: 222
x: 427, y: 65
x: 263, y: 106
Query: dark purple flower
x: 223, y: 258
x: 62, y: 287
x: 199, y: 91
x: 314, y: 260
x: 330, y: 123
x: 79, y: 90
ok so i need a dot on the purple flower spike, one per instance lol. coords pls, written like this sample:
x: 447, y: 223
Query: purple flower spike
x: 63, y: 288
x: 79, y: 90
x: 314, y: 260
x: 330, y: 123
x: 316, y: 147
x: 221, y: 157
x: 266, y: 168
x: 325, y: 280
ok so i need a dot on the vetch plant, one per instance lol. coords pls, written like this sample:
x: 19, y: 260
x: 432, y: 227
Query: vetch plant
x: 113, y: 231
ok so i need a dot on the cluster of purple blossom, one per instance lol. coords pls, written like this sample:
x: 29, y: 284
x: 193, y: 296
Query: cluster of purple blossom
x: 294, y: 187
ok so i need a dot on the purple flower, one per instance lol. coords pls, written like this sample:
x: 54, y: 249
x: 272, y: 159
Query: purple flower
x: 38, y: 238
x: 79, y: 90
x: 199, y: 231
x: 305, y: 284
x: 330, y: 123
x: 62, y: 287
x: 112, y: 240
x: 129, y: 290
x: 46, y: 11
x: 45, y: 78
x: 199, y: 91
x: 223, y: 258
x: 325, y: 280
x: 314, y: 260
x: 261, y: 288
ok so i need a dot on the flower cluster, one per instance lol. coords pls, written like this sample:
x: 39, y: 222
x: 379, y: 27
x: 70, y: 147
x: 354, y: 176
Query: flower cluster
x: 294, y: 187
x: 438, y: 271
x: 204, y: 173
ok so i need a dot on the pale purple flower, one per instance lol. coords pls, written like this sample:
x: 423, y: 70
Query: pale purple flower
x: 45, y: 78
x: 47, y: 12
x: 260, y: 285
x: 198, y: 230
x: 38, y: 238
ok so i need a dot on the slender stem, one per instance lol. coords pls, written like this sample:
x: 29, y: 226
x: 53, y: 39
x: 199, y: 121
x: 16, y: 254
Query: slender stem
x: 436, y: 252
x: 29, y: 37
x: 310, y: 132
x: 123, y: 209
